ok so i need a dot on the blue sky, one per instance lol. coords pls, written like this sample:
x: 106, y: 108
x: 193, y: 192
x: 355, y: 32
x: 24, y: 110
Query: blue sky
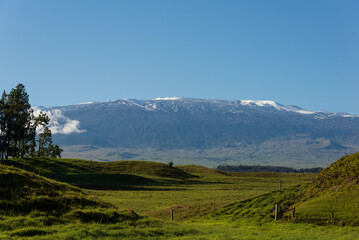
x: 303, y: 53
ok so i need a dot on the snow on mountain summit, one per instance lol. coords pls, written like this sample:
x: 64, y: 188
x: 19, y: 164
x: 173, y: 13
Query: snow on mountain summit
x: 260, y: 103
x: 167, y: 98
x: 197, y: 105
x: 235, y: 106
x: 268, y: 103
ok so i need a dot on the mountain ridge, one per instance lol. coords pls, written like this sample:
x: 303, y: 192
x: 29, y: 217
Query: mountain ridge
x: 147, y: 104
x: 242, y: 131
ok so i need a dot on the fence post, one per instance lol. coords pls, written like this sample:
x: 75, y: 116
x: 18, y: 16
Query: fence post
x: 276, y: 212
x: 332, y: 214
x: 171, y: 215
x: 293, y: 215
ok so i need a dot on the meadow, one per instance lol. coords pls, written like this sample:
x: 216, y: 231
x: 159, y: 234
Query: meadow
x: 133, y: 199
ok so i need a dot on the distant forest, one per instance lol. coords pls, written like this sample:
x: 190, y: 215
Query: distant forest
x: 258, y: 168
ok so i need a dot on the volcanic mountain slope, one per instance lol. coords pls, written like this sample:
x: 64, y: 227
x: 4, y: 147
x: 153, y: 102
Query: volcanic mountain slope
x: 203, y: 131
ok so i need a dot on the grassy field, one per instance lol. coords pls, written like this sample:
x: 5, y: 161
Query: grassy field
x: 132, y: 200
x: 151, y: 189
x: 196, y: 197
x: 144, y: 229
x: 344, y: 204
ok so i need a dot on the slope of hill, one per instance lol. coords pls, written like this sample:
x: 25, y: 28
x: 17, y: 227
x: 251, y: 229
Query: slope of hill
x: 67, y: 212
x: 333, y: 195
x: 103, y: 175
x: 23, y: 193
x: 203, y: 131
x: 260, y: 208
x: 331, y: 198
x: 201, y: 171
x: 341, y: 175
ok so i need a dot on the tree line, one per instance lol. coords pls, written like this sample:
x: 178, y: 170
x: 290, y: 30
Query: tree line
x: 258, y: 168
x: 18, y: 128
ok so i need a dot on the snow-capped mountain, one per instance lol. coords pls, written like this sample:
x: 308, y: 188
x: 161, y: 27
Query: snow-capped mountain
x: 204, y: 131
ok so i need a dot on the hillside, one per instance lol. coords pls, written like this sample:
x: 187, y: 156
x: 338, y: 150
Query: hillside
x: 22, y: 191
x: 200, y: 170
x: 109, y: 211
x: 123, y: 183
x: 341, y: 175
x: 259, y: 208
x: 333, y: 195
x: 40, y: 200
x: 331, y: 198
x: 203, y: 132
x: 103, y: 175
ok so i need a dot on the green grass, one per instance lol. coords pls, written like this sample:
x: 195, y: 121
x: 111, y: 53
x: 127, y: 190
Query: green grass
x: 22, y: 192
x: 318, y: 210
x: 340, y: 175
x: 199, y: 196
x: 259, y: 208
x: 27, y: 199
x: 334, y: 189
x: 55, y: 167
x: 132, y: 200
x: 146, y: 188
x: 144, y: 229
x: 103, y: 175
x: 201, y: 171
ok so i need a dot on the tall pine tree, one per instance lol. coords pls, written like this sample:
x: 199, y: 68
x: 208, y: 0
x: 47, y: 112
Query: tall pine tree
x: 18, y: 127
x: 3, y: 126
x: 20, y: 116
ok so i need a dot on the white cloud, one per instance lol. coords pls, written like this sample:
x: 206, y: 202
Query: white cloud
x: 59, y: 124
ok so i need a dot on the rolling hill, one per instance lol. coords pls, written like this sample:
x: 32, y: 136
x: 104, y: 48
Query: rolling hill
x: 331, y: 198
x: 102, y: 175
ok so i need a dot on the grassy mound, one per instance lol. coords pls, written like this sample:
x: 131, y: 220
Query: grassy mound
x: 142, y: 168
x: 341, y: 175
x: 29, y: 202
x: 54, y: 166
x: 337, y: 207
x: 333, y: 195
x: 22, y: 192
x: 201, y: 171
x: 102, y: 175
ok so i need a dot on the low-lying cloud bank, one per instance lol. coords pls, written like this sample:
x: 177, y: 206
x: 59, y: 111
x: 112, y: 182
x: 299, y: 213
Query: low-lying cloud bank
x: 59, y: 124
